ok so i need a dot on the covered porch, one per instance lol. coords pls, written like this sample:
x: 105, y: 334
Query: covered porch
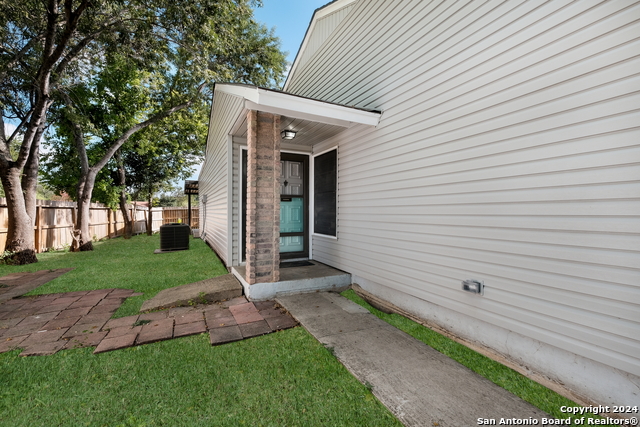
x: 284, y: 187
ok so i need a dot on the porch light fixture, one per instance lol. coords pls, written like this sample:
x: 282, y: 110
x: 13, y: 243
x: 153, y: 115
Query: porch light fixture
x: 288, y: 134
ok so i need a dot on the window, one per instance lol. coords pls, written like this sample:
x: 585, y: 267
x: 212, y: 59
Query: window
x: 325, y: 180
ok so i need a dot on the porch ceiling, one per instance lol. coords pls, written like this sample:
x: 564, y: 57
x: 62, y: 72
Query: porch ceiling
x: 308, y: 132
x: 313, y: 120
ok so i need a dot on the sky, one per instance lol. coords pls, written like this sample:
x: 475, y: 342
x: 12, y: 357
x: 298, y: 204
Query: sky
x: 290, y: 20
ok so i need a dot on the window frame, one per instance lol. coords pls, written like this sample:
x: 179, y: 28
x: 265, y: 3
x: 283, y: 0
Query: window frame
x: 312, y: 211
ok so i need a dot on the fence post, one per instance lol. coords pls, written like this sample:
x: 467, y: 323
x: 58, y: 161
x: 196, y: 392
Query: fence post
x: 38, y: 229
x: 109, y: 223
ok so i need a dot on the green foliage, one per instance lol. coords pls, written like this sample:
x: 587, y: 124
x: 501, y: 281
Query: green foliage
x: 110, y: 68
x: 7, y: 257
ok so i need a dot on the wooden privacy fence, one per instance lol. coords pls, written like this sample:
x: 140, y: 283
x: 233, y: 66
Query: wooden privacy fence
x: 181, y: 215
x: 54, y: 222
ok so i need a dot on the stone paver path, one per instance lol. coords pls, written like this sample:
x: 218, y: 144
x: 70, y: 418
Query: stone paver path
x: 46, y: 324
x: 16, y: 284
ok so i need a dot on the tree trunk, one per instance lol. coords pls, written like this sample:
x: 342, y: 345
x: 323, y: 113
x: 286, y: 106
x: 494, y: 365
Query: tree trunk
x: 149, y: 218
x: 128, y: 221
x: 30, y: 174
x: 20, y: 236
x: 81, y: 236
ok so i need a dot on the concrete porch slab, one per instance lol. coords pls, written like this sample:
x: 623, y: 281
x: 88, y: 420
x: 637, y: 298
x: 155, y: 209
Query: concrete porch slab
x: 210, y: 290
x: 295, y: 280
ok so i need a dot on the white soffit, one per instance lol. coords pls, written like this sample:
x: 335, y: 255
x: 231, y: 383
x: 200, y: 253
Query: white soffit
x: 285, y: 104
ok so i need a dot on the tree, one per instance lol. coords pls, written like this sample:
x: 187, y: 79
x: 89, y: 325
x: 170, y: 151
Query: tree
x: 50, y: 49
x: 149, y: 158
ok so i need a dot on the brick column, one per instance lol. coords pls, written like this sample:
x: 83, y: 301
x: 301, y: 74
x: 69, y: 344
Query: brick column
x: 263, y: 197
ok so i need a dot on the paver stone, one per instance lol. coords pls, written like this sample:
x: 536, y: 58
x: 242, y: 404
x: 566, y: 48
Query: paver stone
x: 254, y: 329
x: 8, y: 344
x: 284, y: 321
x: 86, y: 340
x: 265, y: 305
x: 109, y: 344
x: 221, y: 322
x: 83, y: 328
x: 194, y: 316
x: 224, y: 335
x: 43, y: 337
x: 157, y: 330
x: 65, y: 322
x: 18, y: 330
x: 185, y: 329
x: 124, y: 330
x: 120, y: 322
x: 73, y: 312
x: 247, y: 317
x: 43, y: 349
x: 105, y: 308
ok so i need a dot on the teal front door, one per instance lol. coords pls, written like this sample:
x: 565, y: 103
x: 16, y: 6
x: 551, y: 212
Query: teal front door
x: 293, y: 206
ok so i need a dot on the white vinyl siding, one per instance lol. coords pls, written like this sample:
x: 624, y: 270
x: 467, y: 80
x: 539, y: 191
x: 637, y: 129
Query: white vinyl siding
x: 321, y: 31
x: 213, y: 179
x: 508, y: 151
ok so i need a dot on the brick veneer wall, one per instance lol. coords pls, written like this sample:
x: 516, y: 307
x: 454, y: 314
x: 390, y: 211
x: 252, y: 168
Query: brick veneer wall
x: 263, y: 197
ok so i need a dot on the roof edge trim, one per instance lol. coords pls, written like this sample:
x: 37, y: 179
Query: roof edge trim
x: 291, y: 105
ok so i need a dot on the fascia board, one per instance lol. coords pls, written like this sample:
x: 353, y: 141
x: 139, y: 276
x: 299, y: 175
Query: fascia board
x: 300, y: 105
x: 297, y: 114
x: 332, y: 7
x: 246, y: 92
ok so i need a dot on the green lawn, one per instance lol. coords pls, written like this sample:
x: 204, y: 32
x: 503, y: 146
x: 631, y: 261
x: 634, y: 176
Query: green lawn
x: 281, y: 379
x: 527, y: 389
x: 127, y: 264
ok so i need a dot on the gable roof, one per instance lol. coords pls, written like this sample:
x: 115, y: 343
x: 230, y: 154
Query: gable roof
x: 324, y: 20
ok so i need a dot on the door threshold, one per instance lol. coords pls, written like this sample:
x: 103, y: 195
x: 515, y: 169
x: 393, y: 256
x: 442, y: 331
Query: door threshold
x: 284, y: 261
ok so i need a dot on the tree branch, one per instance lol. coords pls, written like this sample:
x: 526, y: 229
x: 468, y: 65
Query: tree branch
x: 78, y: 135
x: 18, y: 56
x: 154, y: 119
x: 17, y: 129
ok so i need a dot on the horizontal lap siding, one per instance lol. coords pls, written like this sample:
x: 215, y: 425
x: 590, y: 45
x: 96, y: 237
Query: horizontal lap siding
x: 321, y: 31
x: 213, y: 177
x: 508, y: 151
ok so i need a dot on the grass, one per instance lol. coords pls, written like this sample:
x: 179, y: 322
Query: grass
x: 523, y: 387
x: 281, y: 379
x: 127, y: 264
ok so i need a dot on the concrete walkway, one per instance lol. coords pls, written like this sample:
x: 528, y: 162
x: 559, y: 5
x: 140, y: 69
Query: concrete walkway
x: 420, y: 386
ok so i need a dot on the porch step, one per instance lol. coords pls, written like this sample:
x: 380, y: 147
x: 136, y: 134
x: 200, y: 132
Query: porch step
x: 209, y: 290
